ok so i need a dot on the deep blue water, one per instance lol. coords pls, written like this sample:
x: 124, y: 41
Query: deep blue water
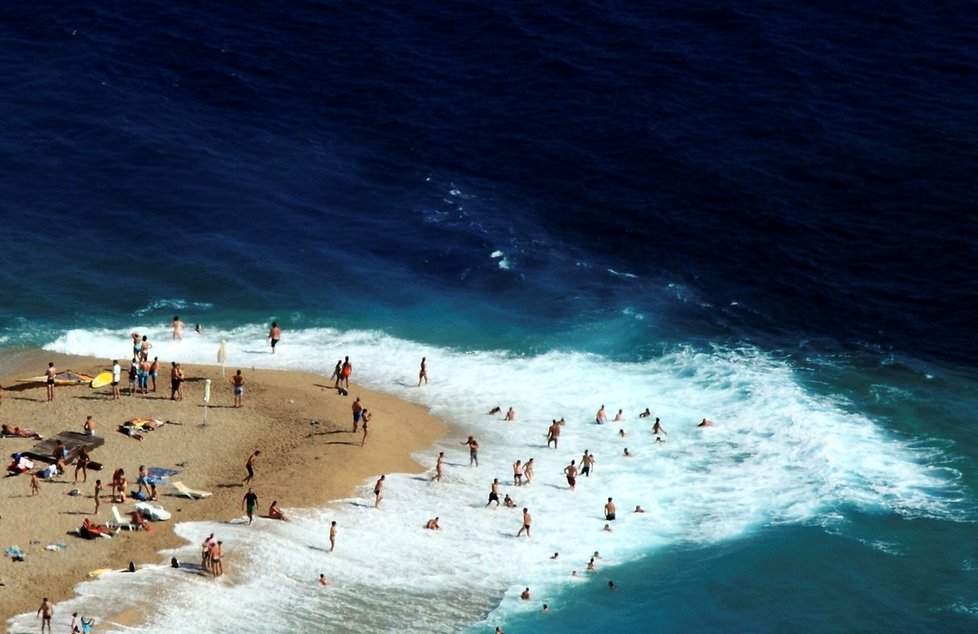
x: 800, y: 178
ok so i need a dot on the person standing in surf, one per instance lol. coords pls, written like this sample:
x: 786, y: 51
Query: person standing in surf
x: 274, y: 335
x: 177, y: 329
x: 423, y: 375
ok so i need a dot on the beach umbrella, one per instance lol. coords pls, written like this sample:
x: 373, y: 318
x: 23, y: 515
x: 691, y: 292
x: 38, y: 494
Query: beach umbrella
x: 222, y: 355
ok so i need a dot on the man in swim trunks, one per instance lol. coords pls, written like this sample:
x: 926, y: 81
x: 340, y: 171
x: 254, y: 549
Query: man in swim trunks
x: 528, y: 470
x: 571, y: 472
x: 49, y: 376
x: 154, y: 371
x: 274, y: 335
x: 553, y: 433
x: 332, y: 535
x: 494, y: 493
x: 518, y: 473
x: 601, y: 418
x: 379, y: 491
x: 250, y: 466
x: 609, y: 510
x: 46, y: 611
x: 473, y: 451
x: 526, y: 523
x: 249, y: 503
x: 432, y: 524
x: 238, y: 382
x: 357, y: 413
x: 586, y: 464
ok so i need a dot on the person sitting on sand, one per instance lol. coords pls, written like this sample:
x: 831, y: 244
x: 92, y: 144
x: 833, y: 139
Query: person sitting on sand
x: 433, y: 524
x: 275, y: 513
x: 140, y: 520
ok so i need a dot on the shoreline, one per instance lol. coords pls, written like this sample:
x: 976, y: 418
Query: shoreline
x: 301, y: 465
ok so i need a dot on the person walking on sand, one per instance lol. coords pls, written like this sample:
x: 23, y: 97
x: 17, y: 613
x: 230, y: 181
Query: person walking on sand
x: 423, y: 375
x: 440, y: 466
x: 45, y: 612
x: 116, y: 377
x: 249, y: 503
x: 98, y: 496
x: 571, y: 472
x: 49, y: 376
x: 357, y: 413
x: 526, y: 523
x: 366, y: 421
x: 494, y: 493
x: 274, y: 335
x: 379, y: 491
x: 338, y: 373
x: 473, y: 451
x: 332, y: 535
x: 609, y: 510
x: 250, y: 466
x: 238, y: 382
x: 35, y: 487
x: 177, y: 329
x: 346, y: 371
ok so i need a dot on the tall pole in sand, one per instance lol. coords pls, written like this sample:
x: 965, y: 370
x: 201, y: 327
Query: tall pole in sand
x: 207, y: 398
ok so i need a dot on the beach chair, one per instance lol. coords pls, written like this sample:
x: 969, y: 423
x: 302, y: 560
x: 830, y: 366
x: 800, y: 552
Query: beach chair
x: 119, y: 522
x: 154, y: 511
x: 193, y: 494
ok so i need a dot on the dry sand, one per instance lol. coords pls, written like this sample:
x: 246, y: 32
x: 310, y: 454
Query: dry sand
x: 274, y: 418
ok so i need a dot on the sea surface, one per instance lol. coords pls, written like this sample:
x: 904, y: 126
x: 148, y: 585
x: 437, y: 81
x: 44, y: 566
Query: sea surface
x: 761, y: 213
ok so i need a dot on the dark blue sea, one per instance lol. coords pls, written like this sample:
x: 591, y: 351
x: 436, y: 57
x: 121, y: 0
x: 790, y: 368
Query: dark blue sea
x: 758, y: 212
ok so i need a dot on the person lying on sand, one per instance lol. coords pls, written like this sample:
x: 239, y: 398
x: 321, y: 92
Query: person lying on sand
x: 21, y: 433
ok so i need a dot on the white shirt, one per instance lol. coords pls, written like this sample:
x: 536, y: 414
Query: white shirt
x: 116, y: 372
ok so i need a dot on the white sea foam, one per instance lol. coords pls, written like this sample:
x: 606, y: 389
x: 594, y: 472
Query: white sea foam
x: 777, y: 455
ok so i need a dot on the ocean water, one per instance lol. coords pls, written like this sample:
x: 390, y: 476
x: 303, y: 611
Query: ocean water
x: 754, y: 213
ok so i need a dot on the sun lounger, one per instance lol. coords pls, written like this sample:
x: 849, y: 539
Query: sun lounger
x: 193, y: 494
x: 119, y: 522
x: 153, y: 511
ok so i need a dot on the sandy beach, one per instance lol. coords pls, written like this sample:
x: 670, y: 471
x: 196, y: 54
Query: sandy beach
x: 301, y: 465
